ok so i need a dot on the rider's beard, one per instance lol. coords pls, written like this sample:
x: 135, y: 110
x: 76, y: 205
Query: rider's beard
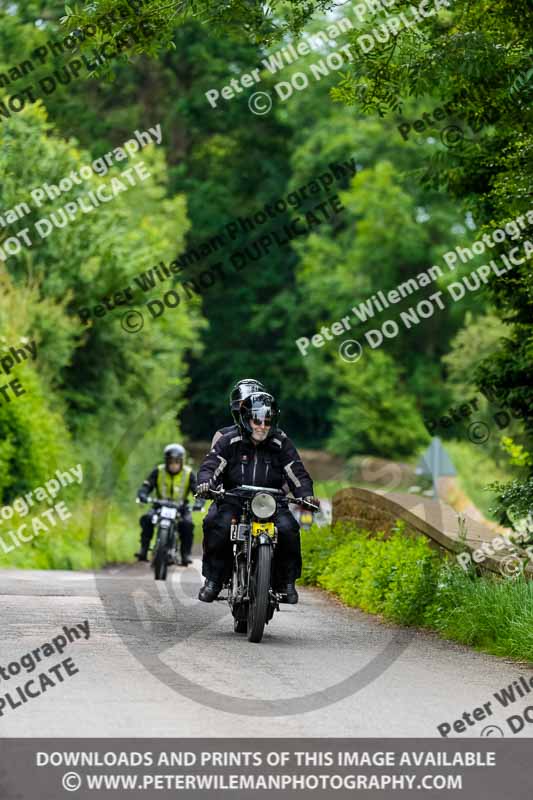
x: 260, y: 435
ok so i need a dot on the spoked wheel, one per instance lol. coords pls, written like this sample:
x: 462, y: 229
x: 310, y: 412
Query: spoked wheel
x: 259, y: 594
x: 160, y: 562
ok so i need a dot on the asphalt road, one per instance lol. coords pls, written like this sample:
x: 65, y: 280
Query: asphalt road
x: 159, y: 663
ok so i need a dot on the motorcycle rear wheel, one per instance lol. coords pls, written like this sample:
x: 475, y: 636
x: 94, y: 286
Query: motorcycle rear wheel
x: 259, y: 593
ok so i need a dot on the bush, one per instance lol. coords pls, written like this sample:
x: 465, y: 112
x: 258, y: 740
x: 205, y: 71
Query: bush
x: 406, y: 581
x: 489, y: 613
x: 67, y: 545
x: 395, y: 577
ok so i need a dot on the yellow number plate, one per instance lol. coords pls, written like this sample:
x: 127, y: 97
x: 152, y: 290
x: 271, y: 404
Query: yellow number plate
x: 263, y: 527
x: 305, y: 516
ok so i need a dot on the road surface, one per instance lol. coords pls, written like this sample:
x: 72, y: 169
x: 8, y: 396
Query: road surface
x: 159, y: 663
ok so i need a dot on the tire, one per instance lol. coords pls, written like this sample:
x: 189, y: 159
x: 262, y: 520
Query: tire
x: 259, y: 593
x: 160, y: 556
x: 240, y: 625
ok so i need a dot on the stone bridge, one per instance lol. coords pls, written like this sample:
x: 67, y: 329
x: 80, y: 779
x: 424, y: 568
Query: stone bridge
x: 446, y: 529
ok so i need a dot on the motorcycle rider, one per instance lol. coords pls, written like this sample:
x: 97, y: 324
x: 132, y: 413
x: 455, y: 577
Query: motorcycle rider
x: 259, y: 454
x: 171, y: 481
x: 240, y: 391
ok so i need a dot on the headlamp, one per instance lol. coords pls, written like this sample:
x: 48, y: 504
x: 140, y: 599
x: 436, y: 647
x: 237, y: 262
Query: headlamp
x: 263, y: 505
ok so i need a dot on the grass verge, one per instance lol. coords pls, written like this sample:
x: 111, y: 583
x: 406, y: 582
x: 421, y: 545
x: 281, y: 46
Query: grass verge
x: 403, y: 579
x: 66, y: 545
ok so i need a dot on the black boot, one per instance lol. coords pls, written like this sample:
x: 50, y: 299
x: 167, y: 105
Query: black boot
x: 292, y: 594
x: 185, y: 561
x: 142, y: 555
x: 209, y: 591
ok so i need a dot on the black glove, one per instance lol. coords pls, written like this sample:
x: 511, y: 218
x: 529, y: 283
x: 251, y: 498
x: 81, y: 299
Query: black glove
x: 314, y: 501
x: 143, y: 496
x: 203, y: 489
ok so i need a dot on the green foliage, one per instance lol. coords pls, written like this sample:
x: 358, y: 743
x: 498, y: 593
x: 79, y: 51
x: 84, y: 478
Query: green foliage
x: 66, y: 546
x: 394, y: 577
x: 402, y: 211
x: 75, y: 267
x: 318, y: 544
x: 488, y: 613
x: 374, y: 414
x: 474, y: 464
x: 34, y: 441
x: 256, y: 21
x: 518, y: 456
x: 477, y: 339
x: 480, y: 54
x: 405, y: 580
x: 513, y: 501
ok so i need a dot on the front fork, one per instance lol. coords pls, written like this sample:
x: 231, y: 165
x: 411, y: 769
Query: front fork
x: 243, y: 548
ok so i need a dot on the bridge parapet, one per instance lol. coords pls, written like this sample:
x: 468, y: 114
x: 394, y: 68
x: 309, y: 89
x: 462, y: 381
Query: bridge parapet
x: 377, y: 511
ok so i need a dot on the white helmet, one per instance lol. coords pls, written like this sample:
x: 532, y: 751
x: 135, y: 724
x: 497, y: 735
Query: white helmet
x: 174, y: 451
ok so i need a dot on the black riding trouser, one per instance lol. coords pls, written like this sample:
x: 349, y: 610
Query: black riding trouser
x: 185, y: 532
x: 218, y: 553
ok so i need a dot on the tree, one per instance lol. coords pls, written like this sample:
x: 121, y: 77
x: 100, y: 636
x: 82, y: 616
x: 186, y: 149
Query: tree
x: 374, y: 413
x: 479, y: 54
x: 76, y: 266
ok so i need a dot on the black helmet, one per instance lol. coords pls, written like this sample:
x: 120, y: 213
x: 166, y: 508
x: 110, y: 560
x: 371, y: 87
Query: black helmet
x: 260, y: 407
x: 174, y: 452
x: 240, y: 391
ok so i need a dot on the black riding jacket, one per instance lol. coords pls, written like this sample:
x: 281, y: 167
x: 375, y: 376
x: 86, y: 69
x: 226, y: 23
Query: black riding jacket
x: 234, y: 429
x: 236, y: 461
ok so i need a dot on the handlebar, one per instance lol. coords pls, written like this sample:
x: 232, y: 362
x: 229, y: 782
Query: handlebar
x: 303, y: 504
x: 261, y: 489
x: 238, y: 493
x: 310, y: 506
x: 160, y: 501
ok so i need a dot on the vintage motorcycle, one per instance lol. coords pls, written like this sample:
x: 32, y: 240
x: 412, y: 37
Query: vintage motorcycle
x: 254, y: 537
x: 165, y: 517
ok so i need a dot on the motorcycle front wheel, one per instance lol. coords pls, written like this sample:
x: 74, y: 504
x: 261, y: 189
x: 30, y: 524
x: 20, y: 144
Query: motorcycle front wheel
x: 160, y: 562
x: 259, y: 593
